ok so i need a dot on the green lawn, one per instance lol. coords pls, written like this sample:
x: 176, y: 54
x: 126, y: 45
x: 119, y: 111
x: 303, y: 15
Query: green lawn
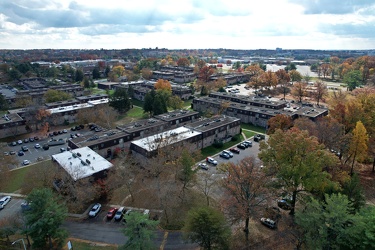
x: 253, y: 128
x: 137, y: 103
x: 135, y: 112
x: 248, y: 133
x: 19, y: 176
x: 211, y: 150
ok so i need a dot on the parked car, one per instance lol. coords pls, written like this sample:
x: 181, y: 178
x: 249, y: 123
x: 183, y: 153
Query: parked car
x: 13, y: 143
x: 95, y: 210
x: 248, y: 143
x: 229, y: 153
x: 26, y: 140
x: 4, y: 200
x: 55, y: 133
x: 259, y: 137
x: 24, y: 148
x: 241, y: 146
x: 268, y: 222
x: 45, y: 146
x: 6, y: 153
x: 284, y: 204
x: 12, y: 152
x: 36, y: 138
x: 126, y: 215
x: 211, y: 161
x: 31, y: 139
x: 203, y: 165
x: 224, y: 155
x: 111, y: 213
x: 21, y: 153
x: 235, y: 150
x: 19, y: 142
x: 65, y: 131
x: 26, y: 162
x: 62, y: 150
x: 120, y: 213
x: 37, y: 146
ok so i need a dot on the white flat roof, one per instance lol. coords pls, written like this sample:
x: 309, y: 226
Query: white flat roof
x: 81, y: 162
x: 163, y: 139
x: 70, y: 108
x: 101, y: 101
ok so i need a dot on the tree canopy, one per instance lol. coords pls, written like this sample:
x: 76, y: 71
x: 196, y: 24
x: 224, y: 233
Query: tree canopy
x: 207, y: 227
x: 53, y: 95
x: 44, y: 218
x: 120, y: 101
x: 297, y: 161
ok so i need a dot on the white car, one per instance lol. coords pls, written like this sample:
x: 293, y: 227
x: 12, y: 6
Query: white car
x: 4, y: 200
x: 203, y: 165
x: 37, y: 146
x: 95, y: 210
x: 211, y: 160
x: 26, y: 162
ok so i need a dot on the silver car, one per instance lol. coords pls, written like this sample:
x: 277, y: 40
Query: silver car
x: 4, y: 200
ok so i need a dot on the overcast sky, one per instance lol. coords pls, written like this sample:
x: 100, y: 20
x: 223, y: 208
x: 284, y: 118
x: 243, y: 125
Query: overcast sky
x: 187, y: 24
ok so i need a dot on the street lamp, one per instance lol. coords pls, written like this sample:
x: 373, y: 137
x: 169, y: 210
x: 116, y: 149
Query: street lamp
x: 23, y: 242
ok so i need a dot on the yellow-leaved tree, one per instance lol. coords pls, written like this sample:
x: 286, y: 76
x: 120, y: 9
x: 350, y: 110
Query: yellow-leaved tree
x: 358, y: 144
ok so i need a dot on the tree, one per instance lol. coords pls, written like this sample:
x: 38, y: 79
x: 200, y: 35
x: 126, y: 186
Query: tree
x: 255, y: 72
x: 283, y: 80
x: 120, y: 100
x: 358, y: 144
x: 246, y: 190
x: 207, y: 227
x: 3, y: 103
x: 325, y: 224
x: 183, y: 62
x: 269, y: 79
x: 96, y: 73
x: 186, y: 173
x: 353, y: 79
x: 299, y: 90
x: 159, y: 104
x: 175, y: 102
x: 295, y: 76
x: 282, y: 122
x: 146, y: 73
x: 79, y: 75
x: 163, y: 85
x: 290, y: 66
x: 296, y: 160
x: 149, y: 102
x: 140, y: 231
x: 86, y: 82
x: 205, y: 73
x: 320, y: 91
x: 325, y: 69
x: 53, y: 95
x: 44, y: 218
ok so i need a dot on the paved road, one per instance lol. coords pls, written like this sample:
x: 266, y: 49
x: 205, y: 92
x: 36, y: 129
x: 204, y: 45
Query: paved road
x: 11, y: 209
x: 111, y: 233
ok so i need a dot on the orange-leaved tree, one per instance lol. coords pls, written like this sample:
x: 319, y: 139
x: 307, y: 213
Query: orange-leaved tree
x: 162, y: 84
x: 358, y: 145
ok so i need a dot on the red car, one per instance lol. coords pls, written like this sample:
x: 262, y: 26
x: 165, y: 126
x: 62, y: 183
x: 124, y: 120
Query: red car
x: 111, y: 213
x: 235, y: 150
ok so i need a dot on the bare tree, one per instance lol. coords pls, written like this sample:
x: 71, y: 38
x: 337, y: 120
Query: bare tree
x: 299, y: 90
x: 320, y: 91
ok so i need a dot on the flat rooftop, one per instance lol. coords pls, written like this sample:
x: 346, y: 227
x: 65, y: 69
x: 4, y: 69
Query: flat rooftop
x: 166, y: 138
x: 70, y: 108
x: 81, y: 162
x: 211, y: 123
x: 176, y: 114
x: 141, y: 125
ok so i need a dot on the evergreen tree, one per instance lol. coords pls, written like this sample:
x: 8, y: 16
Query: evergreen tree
x: 44, y: 218
x: 140, y: 231
x: 207, y: 227
x: 95, y: 73
x: 120, y: 101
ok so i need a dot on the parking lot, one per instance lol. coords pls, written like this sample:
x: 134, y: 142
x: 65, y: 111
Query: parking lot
x: 11, y: 209
x: 35, y: 153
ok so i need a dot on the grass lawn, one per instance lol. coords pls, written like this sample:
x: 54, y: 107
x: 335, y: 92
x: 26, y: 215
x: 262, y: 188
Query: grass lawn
x: 137, y: 103
x: 85, y: 245
x: 248, y: 133
x: 211, y: 150
x: 253, y: 128
x: 20, y: 176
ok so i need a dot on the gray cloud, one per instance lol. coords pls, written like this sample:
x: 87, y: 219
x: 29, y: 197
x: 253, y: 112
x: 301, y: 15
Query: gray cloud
x: 82, y: 16
x: 333, y: 6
